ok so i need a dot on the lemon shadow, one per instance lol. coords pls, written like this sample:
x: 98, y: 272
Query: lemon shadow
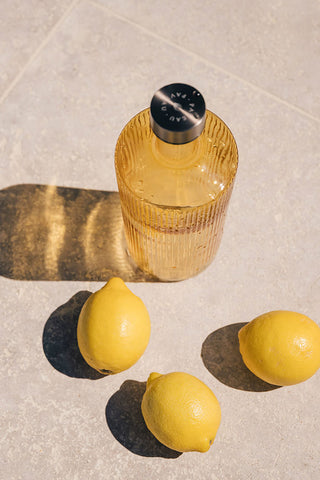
x: 126, y: 423
x: 60, y: 233
x: 221, y: 356
x: 59, y: 340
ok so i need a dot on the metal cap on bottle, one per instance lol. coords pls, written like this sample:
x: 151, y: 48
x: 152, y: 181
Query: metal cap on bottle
x: 177, y: 113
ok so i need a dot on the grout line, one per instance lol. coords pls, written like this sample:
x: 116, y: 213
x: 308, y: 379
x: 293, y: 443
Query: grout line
x: 37, y: 51
x: 207, y: 62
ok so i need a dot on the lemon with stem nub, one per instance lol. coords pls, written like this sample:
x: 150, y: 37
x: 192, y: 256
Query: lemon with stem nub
x: 181, y: 411
x: 281, y: 347
x: 113, y: 328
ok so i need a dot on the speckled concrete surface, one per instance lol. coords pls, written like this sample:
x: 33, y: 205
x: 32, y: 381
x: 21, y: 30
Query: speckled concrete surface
x: 72, y: 74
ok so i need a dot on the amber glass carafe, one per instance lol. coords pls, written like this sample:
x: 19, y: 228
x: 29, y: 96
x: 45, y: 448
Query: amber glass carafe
x: 175, y: 179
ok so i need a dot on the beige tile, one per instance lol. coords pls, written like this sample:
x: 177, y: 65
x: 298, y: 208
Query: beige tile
x: 24, y: 25
x: 58, y: 126
x: 273, y: 45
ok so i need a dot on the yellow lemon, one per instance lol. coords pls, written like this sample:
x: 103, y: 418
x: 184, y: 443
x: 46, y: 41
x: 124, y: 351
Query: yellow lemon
x: 281, y: 347
x: 113, y: 328
x: 181, y: 411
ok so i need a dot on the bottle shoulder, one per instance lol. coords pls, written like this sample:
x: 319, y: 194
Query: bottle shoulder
x: 173, y: 175
x: 190, y: 174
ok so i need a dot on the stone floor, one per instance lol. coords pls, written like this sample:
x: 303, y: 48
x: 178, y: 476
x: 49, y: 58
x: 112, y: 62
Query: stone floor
x: 72, y: 73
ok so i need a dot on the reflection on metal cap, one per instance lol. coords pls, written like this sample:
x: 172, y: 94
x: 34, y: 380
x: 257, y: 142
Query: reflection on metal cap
x: 177, y: 113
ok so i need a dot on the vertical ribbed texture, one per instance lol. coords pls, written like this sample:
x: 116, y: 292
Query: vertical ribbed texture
x: 174, y: 243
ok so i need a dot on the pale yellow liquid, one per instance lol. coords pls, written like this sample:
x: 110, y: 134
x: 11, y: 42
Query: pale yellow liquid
x: 171, y: 254
x: 174, y: 175
x: 173, y: 202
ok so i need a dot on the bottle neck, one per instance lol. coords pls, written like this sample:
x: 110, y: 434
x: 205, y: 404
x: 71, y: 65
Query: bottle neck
x: 175, y: 156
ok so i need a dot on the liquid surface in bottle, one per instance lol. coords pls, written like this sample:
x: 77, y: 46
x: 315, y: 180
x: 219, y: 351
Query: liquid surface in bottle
x: 174, y: 175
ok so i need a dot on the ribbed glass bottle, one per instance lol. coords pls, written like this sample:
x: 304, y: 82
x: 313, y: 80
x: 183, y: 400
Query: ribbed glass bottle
x: 174, y: 198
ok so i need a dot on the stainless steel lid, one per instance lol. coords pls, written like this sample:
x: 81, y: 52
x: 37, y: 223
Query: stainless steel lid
x: 177, y: 113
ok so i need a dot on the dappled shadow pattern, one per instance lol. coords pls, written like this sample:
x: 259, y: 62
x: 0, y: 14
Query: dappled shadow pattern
x: 125, y: 420
x: 60, y: 233
x: 60, y: 340
x: 221, y: 356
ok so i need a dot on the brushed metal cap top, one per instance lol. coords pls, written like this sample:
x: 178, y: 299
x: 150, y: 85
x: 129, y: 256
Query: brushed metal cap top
x: 177, y: 113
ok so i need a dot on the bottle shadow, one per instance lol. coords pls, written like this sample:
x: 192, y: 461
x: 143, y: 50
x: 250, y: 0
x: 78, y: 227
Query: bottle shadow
x: 221, y: 356
x: 126, y: 423
x: 59, y: 340
x: 59, y: 233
